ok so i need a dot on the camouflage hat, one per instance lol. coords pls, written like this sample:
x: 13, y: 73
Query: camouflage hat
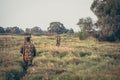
x: 27, y: 39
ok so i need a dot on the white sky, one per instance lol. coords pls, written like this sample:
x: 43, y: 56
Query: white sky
x: 30, y: 13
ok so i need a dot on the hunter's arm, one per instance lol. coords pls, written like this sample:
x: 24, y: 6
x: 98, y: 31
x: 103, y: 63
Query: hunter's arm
x: 21, y: 50
x: 34, y: 51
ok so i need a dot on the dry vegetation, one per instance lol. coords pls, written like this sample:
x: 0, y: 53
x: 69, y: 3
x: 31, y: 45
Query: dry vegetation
x: 73, y: 60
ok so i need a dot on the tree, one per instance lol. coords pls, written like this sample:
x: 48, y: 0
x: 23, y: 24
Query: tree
x: 8, y: 29
x: 36, y: 30
x: 14, y: 30
x: 28, y: 31
x: 108, y: 14
x: 85, y: 24
x: 21, y: 31
x: 2, y: 30
x: 57, y: 27
x: 71, y: 31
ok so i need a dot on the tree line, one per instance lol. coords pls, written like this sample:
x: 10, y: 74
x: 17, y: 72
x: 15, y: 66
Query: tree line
x: 54, y: 28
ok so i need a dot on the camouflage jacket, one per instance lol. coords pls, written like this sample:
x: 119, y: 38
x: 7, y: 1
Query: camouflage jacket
x: 28, y: 48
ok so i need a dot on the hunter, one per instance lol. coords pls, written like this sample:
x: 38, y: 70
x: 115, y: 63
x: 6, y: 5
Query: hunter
x: 58, y: 41
x: 28, y: 51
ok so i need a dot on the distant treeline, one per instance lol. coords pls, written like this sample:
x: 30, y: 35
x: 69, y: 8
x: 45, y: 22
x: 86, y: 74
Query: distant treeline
x: 54, y: 28
x: 106, y: 28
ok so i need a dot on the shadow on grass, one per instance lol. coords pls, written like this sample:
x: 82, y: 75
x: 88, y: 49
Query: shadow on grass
x: 16, y: 74
x: 13, y: 75
x: 83, y: 54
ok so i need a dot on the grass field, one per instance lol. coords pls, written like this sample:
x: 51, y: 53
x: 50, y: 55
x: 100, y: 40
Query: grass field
x: 74, y: 60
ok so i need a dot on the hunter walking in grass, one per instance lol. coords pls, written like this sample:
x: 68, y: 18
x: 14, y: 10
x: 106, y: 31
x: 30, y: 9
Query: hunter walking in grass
x: 58, y: 41
x: 28, y: 50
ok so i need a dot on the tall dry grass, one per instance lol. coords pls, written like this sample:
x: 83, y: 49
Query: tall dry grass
x: 73, y: 60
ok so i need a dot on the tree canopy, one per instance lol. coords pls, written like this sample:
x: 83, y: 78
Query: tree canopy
x: 57, y: 27
x: 85, y: 24
x: 108, y: 14
x: 2, y: 30
x: 36, y: 30
x: 14, y: 30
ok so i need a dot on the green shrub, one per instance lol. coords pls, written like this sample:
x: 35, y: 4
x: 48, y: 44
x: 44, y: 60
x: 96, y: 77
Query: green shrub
x: 83, y: 35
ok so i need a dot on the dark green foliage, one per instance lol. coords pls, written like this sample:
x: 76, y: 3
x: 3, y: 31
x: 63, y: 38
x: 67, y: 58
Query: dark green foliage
x: 2, y: 30
x: 57, y: 27
x: 71, y: 31
x: 85, y: 24
x: 108, y: 13
x: 83, y: 35
x: 14, y: 30
x: 28, y: 30
x: 36, y: 30
x: 86, y: 27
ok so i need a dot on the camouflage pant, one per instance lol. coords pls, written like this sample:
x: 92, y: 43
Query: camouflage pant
x: 27, y: 60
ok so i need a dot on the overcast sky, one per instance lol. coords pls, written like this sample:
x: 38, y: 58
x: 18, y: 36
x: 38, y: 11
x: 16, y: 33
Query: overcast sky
x: 30, y: 13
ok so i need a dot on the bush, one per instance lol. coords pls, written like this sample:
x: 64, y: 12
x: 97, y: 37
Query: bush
x: 83, y: 35
x: 101, y: 37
